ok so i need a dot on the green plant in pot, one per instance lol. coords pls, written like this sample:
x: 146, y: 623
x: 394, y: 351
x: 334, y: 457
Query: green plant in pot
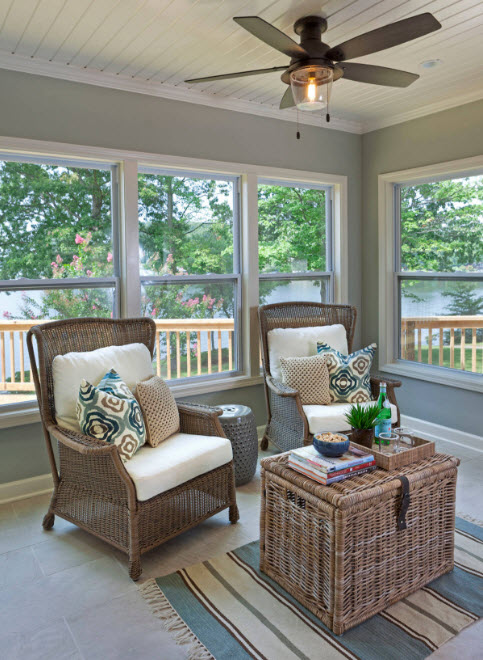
x: 362, y: 420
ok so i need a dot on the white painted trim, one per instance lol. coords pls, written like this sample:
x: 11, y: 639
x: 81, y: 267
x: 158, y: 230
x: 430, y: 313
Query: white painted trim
x: 218, y: 385
x: 387, y: 294
x: 430, y: 109
x: 164, y: 90
x: 20, y: 490
x: 19, y: 417
x: 432, y: 431
x: 23, y: 64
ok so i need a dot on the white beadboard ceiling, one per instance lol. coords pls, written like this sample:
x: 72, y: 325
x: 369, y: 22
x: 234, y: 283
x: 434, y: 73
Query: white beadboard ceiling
x: 151, y: 46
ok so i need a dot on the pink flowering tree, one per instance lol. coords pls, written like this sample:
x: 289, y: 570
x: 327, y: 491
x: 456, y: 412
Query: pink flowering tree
x: 87, y: 261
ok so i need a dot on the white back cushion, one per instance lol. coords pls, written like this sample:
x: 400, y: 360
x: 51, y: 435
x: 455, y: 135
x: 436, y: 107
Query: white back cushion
x: 302, y: 342
x: 131, y: 361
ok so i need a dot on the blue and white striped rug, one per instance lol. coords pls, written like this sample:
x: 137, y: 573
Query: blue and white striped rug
x: 226, y: 609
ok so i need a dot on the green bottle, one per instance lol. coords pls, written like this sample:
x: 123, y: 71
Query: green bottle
x: 384, y: 417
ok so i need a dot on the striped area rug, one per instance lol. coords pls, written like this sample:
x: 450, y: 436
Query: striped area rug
x: 225, y: 608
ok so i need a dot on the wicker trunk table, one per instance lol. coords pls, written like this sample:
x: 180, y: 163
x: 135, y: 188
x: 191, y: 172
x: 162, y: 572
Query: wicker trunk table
x: 341, y: 550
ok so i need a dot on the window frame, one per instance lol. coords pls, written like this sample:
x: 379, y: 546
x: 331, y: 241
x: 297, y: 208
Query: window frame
x: 128, y: 239
x: 319, y: 275
x: 235, y: 278
x: 391, y: 275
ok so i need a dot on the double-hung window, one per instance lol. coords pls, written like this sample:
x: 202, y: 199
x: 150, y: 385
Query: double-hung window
x: 58, y: 254
x: 189, y: 251
x: 438, y: 276
x: 295, y: 247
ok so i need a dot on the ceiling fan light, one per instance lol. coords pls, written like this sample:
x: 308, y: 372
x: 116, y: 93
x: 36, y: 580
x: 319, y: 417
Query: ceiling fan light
x: 311, y: 87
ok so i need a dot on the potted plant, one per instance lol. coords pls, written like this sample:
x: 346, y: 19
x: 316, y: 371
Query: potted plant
x: 362, y: 420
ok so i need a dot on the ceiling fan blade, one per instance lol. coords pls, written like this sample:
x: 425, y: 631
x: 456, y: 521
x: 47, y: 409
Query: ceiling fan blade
x: 272, y: 36
x: 287, y: 99
x: 239, y: 74
x: 377, y: 75
x: 384, y: 37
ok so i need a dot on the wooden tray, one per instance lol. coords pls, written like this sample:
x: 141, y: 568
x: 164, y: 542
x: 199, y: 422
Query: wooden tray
x: 422, y: 449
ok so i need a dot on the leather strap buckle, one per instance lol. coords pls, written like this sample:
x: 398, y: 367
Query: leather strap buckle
x: 405, y: 501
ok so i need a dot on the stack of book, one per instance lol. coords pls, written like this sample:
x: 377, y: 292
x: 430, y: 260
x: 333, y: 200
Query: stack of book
x: 327, y: 470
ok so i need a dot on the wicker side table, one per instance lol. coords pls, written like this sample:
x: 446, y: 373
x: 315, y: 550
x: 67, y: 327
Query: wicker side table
x: 339, y: 549
x: 238, y: 422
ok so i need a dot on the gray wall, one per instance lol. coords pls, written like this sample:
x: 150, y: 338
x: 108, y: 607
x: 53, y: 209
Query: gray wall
x: 47, y: 109
x: 445, y: 136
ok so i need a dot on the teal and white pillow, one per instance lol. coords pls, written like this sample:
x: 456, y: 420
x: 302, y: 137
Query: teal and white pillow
x: 350, y: 380
x: 111, y: 414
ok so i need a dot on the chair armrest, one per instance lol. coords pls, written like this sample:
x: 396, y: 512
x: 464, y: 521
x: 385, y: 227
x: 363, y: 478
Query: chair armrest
x: 81, y: 443
x: 199, y: 419
x: 93, y: 465
x: 280, y: 388
x: 390, y: 382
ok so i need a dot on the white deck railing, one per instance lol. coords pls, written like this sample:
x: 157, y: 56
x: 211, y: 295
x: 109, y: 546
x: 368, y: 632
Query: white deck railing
x: 419, y: 333
x: 191, y: 347
x: 184, y: 347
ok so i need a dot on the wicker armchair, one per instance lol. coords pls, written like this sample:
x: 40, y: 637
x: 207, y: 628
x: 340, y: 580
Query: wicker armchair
x: 287, y: 423
x: 92, y: 488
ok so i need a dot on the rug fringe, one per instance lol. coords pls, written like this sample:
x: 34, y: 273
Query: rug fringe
x: 172, y: 622
x: 470, y: 519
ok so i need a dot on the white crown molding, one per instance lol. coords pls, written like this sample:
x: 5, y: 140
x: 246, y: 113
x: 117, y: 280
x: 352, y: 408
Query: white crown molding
x: 188, y: 95
x: 431, y: 109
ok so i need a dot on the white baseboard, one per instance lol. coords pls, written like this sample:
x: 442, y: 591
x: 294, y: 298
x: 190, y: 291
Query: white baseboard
x: 431, y: 431
x: 20, y: 490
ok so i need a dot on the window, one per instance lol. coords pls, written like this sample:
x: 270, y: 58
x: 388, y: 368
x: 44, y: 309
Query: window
x: 58, y: 257
x: 190, y: 270
x: 294, y: 242
x: 438, y: 269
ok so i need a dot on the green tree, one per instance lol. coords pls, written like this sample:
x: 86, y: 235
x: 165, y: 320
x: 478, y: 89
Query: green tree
x: 465, y: 301
x: 43, y: 208
x: 442, y: 225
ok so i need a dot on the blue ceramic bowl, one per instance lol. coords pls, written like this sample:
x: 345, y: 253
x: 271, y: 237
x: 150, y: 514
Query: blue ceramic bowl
x: 331, y: 449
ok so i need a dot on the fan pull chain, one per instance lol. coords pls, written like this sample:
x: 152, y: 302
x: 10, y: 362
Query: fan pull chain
x: 298, y: 129
x: 327, y: 116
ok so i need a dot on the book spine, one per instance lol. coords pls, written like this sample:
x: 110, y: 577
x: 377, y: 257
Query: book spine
x: 308, y: 473
x: 323, y: 478
x: 320, y: 467
x: 348, y: 476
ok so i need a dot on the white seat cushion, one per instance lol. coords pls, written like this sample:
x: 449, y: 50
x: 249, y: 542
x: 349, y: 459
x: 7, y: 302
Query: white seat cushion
x: 331, y: 418
x: 178, y: 459
x: 131, y: 361
x: 302, y: 342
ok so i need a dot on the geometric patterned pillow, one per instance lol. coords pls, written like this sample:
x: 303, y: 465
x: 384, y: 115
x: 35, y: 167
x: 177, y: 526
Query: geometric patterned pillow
x: 107, y: 417
x: 113, y: 384
x: 350, y: 380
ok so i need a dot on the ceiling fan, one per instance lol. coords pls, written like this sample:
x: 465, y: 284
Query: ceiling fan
x: 314, y: 65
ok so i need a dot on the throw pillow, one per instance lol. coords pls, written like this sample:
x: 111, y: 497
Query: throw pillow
x: 113, y: 384
x: 350, y: 380
x: 107, y: 417
x: 309, y: 376
x: 159, y: 409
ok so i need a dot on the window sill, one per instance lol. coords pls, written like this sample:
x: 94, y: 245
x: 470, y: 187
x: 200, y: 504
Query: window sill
x: 432, y: 374
x: 31, y: 414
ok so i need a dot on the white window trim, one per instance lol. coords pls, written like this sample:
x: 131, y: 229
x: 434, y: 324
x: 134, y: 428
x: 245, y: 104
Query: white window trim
x: 130, y: 291
x: 388, y: 340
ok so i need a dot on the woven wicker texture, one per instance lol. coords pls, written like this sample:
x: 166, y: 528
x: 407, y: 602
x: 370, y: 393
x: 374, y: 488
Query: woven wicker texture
x: 241, y: 429
x: 91, y: 485
x: 287, y: 426
x: 309, y: 376
x: 159, y: 410
x: 337, y: 549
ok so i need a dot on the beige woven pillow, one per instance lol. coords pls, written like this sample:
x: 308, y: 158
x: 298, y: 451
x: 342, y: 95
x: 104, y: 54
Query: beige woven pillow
x: 309, y: 376
x: 159, y: 409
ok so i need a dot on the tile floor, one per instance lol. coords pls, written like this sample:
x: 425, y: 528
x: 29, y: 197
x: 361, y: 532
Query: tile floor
x: 66, y: 595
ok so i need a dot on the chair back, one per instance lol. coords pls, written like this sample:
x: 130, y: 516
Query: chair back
x: 79, y: 335
x: 302, y: 315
